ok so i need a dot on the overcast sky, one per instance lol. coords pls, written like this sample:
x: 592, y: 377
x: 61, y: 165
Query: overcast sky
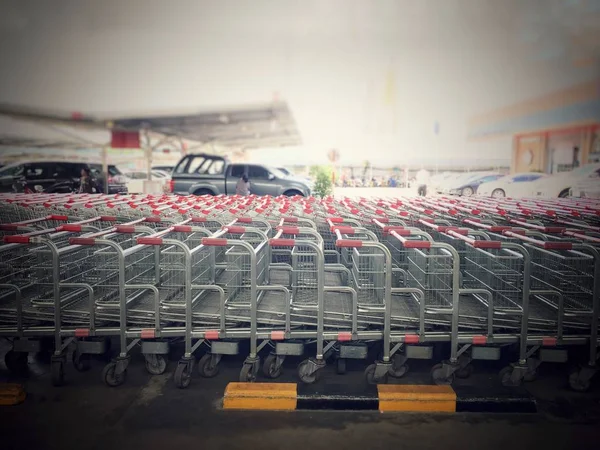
x: 362, y: 76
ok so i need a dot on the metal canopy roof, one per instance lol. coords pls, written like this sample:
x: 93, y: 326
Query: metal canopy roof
x: 251, y: 126
x: 41, y: 143
x: 268, y: 125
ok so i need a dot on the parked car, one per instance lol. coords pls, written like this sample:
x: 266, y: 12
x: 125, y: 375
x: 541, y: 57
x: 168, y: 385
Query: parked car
x: 441, y: 185
x: 560, y: 185
x: 435, y: 181
x: 167, y: 169
x: 468, y: 186
x: 57, y: 177
x: 587, y: 187
x: 203, y: 174
x: 158, y: 173
x: 135, y: 180
x: 291, y: 174
x: 516, y: 185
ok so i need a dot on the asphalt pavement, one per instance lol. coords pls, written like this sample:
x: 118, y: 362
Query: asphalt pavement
x: 150, y: 412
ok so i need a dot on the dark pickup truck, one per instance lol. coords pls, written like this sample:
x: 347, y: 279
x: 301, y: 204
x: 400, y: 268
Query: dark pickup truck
x: 202, y: 174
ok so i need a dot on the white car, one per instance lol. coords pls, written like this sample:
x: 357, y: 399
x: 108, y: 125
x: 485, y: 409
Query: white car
x: 136, y: 180
x: 517, y: 185
x: 587, y: 187
x: 560, y: 185
x: 454, y: 185
x: 438, y: 183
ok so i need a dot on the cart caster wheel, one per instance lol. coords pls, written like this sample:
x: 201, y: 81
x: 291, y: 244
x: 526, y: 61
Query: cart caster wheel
x: 340, y: 367
x: 577, y: 383
x: 247, y: 374
x: 304, y: 373
x: 57, y: 369
x: 206, y: 367
x: 398, y: 371
x: 183, y: 374
x: 156, y: 364
x: 506, y: 377
x: 16, y: 363
x: 464, y: 372
x: 439, y: 376
x: 111, y: 378
x: 270, y: 369
x: 370, y: 375
x: 81, y: 362
x: 530, y: 376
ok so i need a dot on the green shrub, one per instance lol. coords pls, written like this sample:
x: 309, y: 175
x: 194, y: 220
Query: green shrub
x: 323, y: 185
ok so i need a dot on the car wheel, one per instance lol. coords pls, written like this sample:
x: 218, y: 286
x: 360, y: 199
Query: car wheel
x: 292, y: 193
x: 498, y: 193
x: 564, y: 193
x: 467, y: 192
x: 204, y: 192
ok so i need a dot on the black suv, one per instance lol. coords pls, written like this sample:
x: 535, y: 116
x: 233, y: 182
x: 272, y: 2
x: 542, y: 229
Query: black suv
x: 61, y: 177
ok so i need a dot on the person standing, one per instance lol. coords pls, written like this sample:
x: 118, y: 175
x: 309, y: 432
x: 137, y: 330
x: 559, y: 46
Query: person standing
x: 85, y: 182
x: 243, y: 186
x: 422, y: 179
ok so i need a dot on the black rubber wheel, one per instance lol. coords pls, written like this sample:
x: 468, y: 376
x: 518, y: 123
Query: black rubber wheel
x: 205, y: 367
x: 340, y: 366
x: 156, y: 367
x: 247, y: 374
x: 464, y: 372
x: 564, y: 194
x: 57, y: 369
x: 16, y: 362
x: 467, y: 192
x: 498, y: 193
x: 183, y: 375
x: 530, y: 376
x: 370, y: 375
x: 204, y: 192
x: 303, y: 373
x: 505, y: 376
x: 577, y: 384
x: 81, y: 362
x: 109, y: 376
x: 398, y: 371
x: 292, y: 193
x: 438, y: 376
x: 270, y: 369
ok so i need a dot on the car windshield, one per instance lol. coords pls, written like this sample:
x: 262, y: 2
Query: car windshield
x: 137, y: 175
x: 277, y: 172
x: 465, y: 177
x: 585, y: 170
x: 201, y: 165
x: 479, y: 176
x: 167, y: 169
x: 97, y: 170
x: 11, y: 170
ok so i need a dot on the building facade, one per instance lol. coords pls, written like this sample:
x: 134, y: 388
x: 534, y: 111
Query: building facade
x: 551, y: 134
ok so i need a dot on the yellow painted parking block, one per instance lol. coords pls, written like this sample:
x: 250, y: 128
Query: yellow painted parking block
x: 260, y: 396
x: 11, y: 394
x: 416, y: 398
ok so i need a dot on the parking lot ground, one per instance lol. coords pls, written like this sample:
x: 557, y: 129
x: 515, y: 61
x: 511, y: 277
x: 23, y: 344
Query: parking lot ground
x: 150, y: 412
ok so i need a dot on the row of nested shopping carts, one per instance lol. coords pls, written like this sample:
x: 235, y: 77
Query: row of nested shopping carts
x: 293, y: 274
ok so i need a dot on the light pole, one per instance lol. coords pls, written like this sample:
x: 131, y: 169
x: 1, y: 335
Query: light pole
x: 436, y: 131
